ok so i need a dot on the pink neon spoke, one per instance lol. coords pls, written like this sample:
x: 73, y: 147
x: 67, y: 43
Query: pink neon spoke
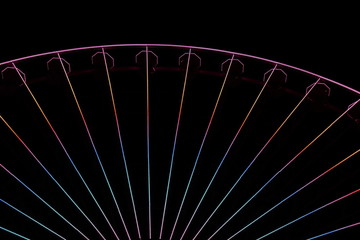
x: 51, y: 176
x: 300, y: 189
x: 223, y: 159
x: 200, y: 150
x: 95, y: 150
x: 282, y: 169
x: 214, y: 175
x: 121, y: 143
x: 336, y: 230
x: 175, y: 141
x: 303, y: 216
x: 147, y: 212
x: 148, y: 139
x: 63, y: 146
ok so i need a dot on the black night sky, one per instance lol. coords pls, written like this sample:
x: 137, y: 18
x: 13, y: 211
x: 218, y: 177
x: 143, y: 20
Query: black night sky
x: 319, y: 40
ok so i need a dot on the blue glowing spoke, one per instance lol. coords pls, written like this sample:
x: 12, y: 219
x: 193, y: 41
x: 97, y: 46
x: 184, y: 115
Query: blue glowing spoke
x: 148, y: 224
x: 225, y: 155
x: 62, y: 146
x: 297, y: 191
x: 174, y: 145
x: 42, y: 200
x: 148, y: 139
x: 32, y: 219
x: 303, y: 216
x: 200, y: 150
x: 262, y: 149
x: 14, y: 233
x: 121, y: 143
x: 95, y: 150
x: 283, y: 168
x: 51, y: 176
x: 334, y: 231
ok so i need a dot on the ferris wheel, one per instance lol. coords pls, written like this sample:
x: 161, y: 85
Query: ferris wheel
x: 155, y: 141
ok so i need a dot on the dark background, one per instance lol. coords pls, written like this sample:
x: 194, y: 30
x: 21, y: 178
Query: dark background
x: 322, y: 38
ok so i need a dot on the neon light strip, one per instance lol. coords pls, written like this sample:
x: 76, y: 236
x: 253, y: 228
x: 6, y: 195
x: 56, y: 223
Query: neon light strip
x: 286, y: 165
x: 175, y: 141
x: 62, y: 145
x: 32, y: 219
x: 212, y: 179
x: 14, y: 233
x: 297, y: 191
x: 121, y: 143
x: 41, y: 199
x: 201, y: 146
x: 185, y: 47
x: 224, y: 157
x: 307, y: 214
x: 148, y: 139
x: 51, y: 176
x: 333, y: 231
x: 95, y: 150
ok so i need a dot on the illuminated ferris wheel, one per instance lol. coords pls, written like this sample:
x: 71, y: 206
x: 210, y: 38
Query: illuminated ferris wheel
x: 154, y: 141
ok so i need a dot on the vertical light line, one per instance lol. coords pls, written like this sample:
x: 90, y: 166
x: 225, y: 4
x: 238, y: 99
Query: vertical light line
x: 42, y: 200
x: 62, y: 146
x: 174, y: 145
x: 226, y: 153
x: 148, y: 139
x: 333, y: 231
x: 121, y: 143
x: 32, y: 219
x: 286, y: 165
x: 212, y: 179
x: 51, y: 176
x: 200, y: 150
x: 94, y: 147
x: 14, y: 233
x: 297, y: 191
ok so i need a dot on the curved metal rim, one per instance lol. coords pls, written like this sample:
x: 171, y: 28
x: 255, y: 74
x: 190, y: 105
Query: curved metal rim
x: 186, y: 47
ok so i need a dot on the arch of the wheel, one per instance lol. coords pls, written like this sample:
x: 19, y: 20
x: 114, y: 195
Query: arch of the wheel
x: 357, y: 92
x: 181, y: 47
